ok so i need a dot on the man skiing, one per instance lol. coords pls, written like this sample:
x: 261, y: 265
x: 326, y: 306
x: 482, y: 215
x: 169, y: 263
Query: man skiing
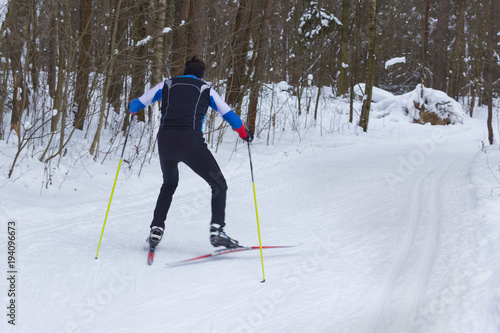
x: 184, y: 103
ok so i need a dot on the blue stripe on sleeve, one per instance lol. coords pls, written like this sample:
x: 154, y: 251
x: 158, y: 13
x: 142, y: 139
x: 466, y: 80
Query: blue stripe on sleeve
x: 233, y: 119
x: 158, y: 95
x: 213, y: 105
x: 136, y: 105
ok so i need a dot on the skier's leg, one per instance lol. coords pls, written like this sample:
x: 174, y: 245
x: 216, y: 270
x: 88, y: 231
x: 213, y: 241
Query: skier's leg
x: 170, y: 180
x: 207, y: 168
x: 204, y: 164
x: 170, y: 171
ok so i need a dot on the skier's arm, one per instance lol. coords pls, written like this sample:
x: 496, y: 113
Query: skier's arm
x: 149, y: 97
x: 218, y: 104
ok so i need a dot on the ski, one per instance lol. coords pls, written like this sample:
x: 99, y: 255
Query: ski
x: 151, y: 255
x: 226, y: 251
x: 151, y: 252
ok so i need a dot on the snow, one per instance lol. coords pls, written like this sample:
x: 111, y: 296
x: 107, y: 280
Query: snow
x: 396, y: 230
x: 3, y: 9
x: 166, y: 30
x: 310, y: 78
x: 393, y: 61
x: 378, y: 94
x: 144, y: 41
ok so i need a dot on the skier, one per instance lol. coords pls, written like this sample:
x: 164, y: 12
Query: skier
x: 185, y: 102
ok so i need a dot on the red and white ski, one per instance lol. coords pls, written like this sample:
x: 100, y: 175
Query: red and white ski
x: 151, y: 255
x: 226, y: 251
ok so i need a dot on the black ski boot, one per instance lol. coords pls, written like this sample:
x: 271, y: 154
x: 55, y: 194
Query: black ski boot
x: 155, y: 236
x: 154, y: 239
x: 219, y: 238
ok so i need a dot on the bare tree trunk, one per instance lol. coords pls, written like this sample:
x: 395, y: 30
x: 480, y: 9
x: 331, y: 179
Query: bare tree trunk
x: 62, y: 27
x: 354, y: 56
x: 440, y: 64
x: 370, y: 68
x: 15, y: 43
x: 321, y: 66
x: 453, y: 86
x: 3, y: 98
x: 425, y: 41
x: 157, y: 63
x: 343, y: 82
x: 52, y: 47
x: 197, y: 28
x: 477, y: 51
x: 139, y: 55
x: 58, y: 98
x: 82, y: 79
x: 122, y: 65
x: 240, y: 43
x: 179, y: 37
x: 260, y: 61
x: 33, y: 52
x: 109, y: 74
x: 490, y: 64
x: 158, y: 58
x: 285, y: 60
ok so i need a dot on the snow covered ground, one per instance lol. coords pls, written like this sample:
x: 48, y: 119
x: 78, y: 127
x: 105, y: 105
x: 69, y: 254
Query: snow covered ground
x: 395, y: 230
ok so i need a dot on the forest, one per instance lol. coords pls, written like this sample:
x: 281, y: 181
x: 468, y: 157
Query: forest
x: 69, y: 68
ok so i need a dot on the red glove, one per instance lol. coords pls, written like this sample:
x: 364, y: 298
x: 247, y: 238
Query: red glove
x: 244, y: 133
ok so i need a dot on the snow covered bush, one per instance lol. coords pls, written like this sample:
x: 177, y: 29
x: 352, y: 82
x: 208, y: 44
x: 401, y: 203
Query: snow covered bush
x: 435, y: 107
x: 422, y: 105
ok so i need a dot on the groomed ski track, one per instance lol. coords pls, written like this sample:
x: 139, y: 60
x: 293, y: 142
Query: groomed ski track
x: 387, y: 229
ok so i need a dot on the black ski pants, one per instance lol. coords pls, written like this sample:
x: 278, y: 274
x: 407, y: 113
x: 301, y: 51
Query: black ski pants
x: 189, y: 147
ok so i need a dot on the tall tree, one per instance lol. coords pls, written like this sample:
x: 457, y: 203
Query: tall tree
x: 179, y: 37
x: 157, y: 66
x: 371, y: 65
x: 239, y: 46
x: 139, y: 53
x: 196, y: 29
x: 456, y: 53
x: 354, y: 56
x: 52, y: 46
x: 260, y: 61
x: 490, y: 63
x: 15, y: 43
x: 425, y: 40
x: 476, y: 50
x: 109, y: 75
x: 84, y: 63
x: 122, y: 65
x: 441, y: 42
x: 33, y: 50
x: 343, y: 82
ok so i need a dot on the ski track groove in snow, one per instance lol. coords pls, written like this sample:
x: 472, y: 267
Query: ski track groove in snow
x: 381, y: 298
x: 405, y: 287
x: 417, y: 288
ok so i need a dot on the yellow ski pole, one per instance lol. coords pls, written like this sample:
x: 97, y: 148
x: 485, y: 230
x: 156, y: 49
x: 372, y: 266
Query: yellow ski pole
x: 256, y: 213
x: 114, y: 185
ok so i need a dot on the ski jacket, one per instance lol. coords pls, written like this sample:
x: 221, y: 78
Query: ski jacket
x: 185, y: 101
